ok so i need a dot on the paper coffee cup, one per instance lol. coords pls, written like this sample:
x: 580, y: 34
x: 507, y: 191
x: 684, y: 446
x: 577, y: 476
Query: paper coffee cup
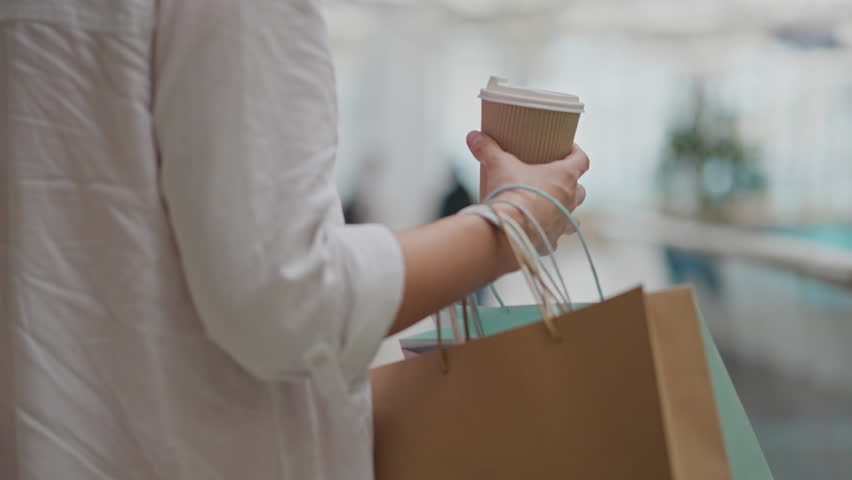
x: 537, y: 126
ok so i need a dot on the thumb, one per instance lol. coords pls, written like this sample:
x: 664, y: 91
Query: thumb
x: 484, y: 148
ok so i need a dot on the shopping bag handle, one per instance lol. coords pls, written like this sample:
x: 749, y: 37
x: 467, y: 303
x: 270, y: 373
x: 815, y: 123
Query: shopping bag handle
x: 523, y: 250
x: 528, y: 259
x: 445, y: 361
x: 566, y: 298
x: 492, y: 197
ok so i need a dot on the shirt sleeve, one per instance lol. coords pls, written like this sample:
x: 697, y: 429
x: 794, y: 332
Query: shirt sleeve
x: 246, y: 122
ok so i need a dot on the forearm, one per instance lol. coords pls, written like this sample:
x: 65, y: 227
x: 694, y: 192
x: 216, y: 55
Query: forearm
x: 446, y: 260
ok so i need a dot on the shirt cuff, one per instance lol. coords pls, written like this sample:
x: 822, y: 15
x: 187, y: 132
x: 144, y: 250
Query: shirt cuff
x: 376, y: 271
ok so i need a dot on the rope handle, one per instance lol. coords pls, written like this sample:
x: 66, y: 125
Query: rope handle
x: 527, y: 257
x: 524, y: 253
x: 492, y: 196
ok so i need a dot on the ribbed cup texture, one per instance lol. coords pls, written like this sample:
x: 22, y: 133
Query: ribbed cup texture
x: 533, y: 135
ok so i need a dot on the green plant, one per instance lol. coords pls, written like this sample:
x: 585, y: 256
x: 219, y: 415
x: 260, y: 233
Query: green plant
x: 707, y: 166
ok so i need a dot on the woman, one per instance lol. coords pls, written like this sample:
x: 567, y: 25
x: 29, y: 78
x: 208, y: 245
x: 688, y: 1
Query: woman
x: 183, y: 299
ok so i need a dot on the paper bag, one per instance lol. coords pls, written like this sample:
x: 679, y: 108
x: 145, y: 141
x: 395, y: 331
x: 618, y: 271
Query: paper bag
x: 623, y: 392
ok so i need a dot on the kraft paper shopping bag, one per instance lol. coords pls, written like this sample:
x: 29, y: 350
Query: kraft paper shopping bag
x: 602, y: 400
x: 745, y: 456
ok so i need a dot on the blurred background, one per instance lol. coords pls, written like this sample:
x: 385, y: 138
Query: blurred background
x: 720, y: 134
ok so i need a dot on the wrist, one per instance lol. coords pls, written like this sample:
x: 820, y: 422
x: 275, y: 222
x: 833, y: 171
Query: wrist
x: 486, y: 216
x: 506, y: 257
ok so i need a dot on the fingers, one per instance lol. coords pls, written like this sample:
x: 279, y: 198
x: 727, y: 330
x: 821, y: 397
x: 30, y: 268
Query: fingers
x: 579, y: 196
x: 569, y: 229
x: 577, y: 161
x: 484, y: 148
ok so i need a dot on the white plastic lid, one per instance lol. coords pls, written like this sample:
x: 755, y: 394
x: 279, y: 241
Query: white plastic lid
x: 499, y: 91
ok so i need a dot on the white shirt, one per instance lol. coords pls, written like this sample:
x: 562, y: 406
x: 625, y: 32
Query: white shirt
x: 182, y: 296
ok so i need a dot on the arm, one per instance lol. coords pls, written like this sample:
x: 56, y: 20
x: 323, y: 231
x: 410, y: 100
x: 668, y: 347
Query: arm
x: 448, y: 259
x: 244, y: 117
x: 445, y: 261
x: 244, y: 114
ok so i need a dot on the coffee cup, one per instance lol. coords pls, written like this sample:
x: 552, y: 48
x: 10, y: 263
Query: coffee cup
x: 537, y: 126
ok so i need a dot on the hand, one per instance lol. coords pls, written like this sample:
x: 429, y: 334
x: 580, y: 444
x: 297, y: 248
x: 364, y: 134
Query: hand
x: 559, y: 178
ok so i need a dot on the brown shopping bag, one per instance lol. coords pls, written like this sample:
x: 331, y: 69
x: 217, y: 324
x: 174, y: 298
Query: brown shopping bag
x: 620, y: 390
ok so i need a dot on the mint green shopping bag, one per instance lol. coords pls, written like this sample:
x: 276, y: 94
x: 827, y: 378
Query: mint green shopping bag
x: 745, y: 457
